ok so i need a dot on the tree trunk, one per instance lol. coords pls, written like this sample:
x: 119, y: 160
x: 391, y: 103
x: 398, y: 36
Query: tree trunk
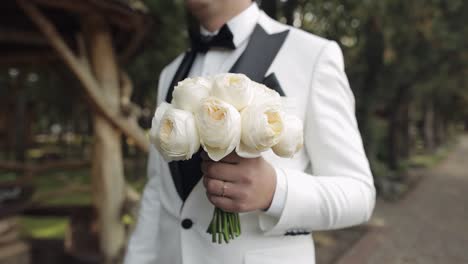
x: 397, y: 120
x: 398, y: 136
x: 107, y: 166
x: 392, y: 145
x: 439, y: 129
x: 404, y: 146
x: 373, y: 54
x: 429, y: 141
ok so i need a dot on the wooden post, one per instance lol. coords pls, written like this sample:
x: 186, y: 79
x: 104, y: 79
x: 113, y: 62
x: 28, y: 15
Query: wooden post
x: 107, y: 166
x: 20, y: 116
x: 12, y: 249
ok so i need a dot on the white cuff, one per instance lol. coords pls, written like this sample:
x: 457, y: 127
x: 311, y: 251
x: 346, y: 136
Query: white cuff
x: 279, y: 197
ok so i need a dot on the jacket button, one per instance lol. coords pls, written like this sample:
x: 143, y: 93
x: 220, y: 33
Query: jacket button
x: 187, y: 223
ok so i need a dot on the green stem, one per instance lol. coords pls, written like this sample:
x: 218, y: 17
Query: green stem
x: 224, y: 226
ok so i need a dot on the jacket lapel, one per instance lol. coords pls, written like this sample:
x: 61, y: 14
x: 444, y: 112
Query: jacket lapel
x: 259, y: 55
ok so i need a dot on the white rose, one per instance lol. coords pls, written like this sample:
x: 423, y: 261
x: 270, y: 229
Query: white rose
x: 264, y: 94
x: 234, y: 89
x: 174, y: 133
x: 262, y: 126
x: 188, y: 93
x: 160, y: 110
x: 292, y: 139
x: 219, y: 126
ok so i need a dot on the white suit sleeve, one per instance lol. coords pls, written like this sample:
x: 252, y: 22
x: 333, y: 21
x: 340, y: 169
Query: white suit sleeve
x: 340, y: 192
x: 142, y: 247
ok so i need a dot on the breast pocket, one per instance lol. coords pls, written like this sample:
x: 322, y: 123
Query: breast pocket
x: 301, y: 254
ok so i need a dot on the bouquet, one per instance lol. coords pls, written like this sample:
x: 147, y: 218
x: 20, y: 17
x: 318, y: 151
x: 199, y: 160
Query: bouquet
x: 224, y: 113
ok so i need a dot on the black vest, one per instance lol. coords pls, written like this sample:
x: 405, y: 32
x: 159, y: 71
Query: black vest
x: 253, y: 62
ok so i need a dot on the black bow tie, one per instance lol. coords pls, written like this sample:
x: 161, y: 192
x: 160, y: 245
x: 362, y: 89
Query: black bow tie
x: 202, y: 43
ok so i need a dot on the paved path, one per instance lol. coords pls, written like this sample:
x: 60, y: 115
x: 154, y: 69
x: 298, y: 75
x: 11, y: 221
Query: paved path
x: 429, y: 226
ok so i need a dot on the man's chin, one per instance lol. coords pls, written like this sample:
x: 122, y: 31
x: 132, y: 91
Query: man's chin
x: 203, y: 8
x: 193, y: 5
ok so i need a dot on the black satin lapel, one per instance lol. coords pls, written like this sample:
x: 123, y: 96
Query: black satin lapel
x: 177, y: 178
x: 181, y: 73
x: 259, y: 53
x: 272, y: 82
x: 176, y: 167
x: 191, y: 170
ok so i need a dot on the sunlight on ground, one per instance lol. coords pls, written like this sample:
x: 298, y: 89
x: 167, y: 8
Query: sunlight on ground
x: 50, y: 227
x: 324, y: 240
x: 378, y: 222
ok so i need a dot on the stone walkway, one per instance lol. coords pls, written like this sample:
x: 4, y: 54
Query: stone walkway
x: 429, y: 226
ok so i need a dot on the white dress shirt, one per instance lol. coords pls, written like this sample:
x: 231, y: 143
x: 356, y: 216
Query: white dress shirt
x: 220, y: 61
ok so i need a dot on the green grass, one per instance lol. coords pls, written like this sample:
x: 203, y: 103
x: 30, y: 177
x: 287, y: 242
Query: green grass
x: 427, y: 160
x: 57, y: 180
x: 8, y: 176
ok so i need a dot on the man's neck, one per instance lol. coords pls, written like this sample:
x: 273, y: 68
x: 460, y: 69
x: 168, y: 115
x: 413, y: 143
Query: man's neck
x: 215, y: 22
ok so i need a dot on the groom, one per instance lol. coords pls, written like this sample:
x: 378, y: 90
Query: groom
x: 327, y: 185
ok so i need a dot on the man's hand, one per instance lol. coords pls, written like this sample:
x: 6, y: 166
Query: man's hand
x: 236, y: 184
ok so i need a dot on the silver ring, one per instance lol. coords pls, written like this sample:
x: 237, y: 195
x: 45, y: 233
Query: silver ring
x: 224, y: 188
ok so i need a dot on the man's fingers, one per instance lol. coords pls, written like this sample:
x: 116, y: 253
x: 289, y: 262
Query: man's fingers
x: 204, y: 166
x: 220, y: 171
x: 215, y: 187
x: 223, y: 188
x: 227, y: 204
x: 232, y: 158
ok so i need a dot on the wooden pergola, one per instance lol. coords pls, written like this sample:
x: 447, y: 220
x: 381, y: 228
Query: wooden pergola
x: 92, y: 38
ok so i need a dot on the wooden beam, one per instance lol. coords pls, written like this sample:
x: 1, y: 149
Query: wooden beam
x: 82, y: 50
x: 92, y: 88
x: 56, y: 210
x: 120, y: 17
x: 119, y: 6
x: 135, y: 41
x: 126, y: 89
x: 72, y: 6
x: 29, y: 58
x: 22, y: 37
x: 44, y: 166
x: 135, y: 24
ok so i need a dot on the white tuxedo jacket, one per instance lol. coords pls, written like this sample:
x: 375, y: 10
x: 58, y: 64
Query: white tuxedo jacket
x: 329, y: 183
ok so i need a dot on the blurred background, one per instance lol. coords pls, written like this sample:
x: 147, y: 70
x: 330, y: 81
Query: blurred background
x: 78, y: 85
